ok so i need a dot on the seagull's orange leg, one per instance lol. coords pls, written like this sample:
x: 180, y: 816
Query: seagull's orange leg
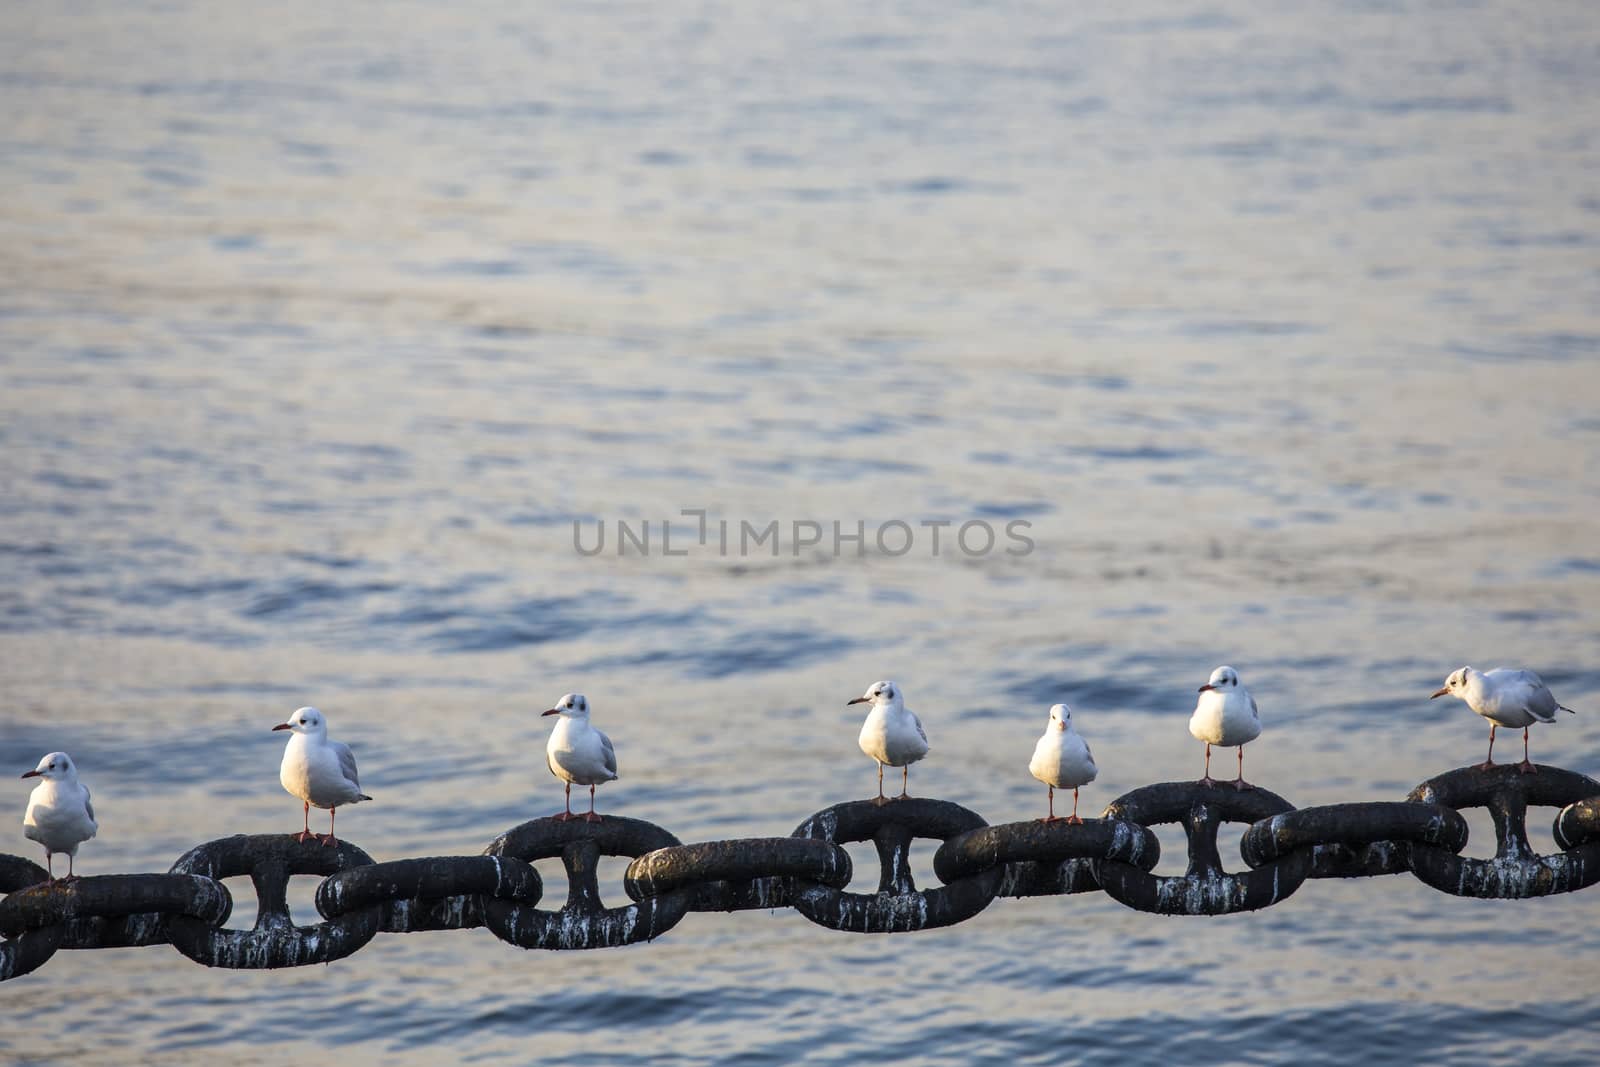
x: 1526, y: 766
x: 1489, y: 762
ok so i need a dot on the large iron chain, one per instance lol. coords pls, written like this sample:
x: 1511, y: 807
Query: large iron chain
x: 809, y: 870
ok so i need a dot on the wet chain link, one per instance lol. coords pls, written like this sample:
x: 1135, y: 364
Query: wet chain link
x: 808, y: 871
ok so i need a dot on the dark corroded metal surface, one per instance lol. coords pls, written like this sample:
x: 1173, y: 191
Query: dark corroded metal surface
x: 583, y: 922
x: 1355, y: 840
x: 808, y: 871
x: 22, y: 953
x: 115, y: 910
x: 1205, y: 888
x: 898, y: 904
x: 17, y: 873
x: 1577, y: 823
x: 269, y: 860
x: 738, y: 875
x: 1046, y: 858
x: 1516, y: 870
x: 434, y: 893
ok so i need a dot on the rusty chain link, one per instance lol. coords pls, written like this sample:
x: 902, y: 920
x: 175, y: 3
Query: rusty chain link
x: 1516, y: 870
x: 809, y: 870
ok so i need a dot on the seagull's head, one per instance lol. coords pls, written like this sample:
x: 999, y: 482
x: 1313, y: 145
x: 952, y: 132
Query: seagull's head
x: 1061, y: 716
x: 880, y: 695
x: 1222, y: 678
x: 305, y: 721
x: 573, y: 706
x: 1456, y: 684
x: 56, y: 767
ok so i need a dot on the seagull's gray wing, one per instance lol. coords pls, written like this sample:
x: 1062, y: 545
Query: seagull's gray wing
x: 609, y: 754
x: 1541, y: 702
x: 920, y: 731
x: 1252, y: 698
x: 88, y: 807
x: 347, y: 761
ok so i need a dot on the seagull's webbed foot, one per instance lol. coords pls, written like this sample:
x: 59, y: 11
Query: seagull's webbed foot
x: 1207, y: 781
x: 1048, y: 819
x: 1486, y: 765
x: 563, y: 816
x: 903, y: 796
x: 1073, y: 820
x: 1241, y: 785
x: 329, y: 841
x: 593, y: 816
x: 306, y: 835
x: 880, y: 800
x: 1527, y: 767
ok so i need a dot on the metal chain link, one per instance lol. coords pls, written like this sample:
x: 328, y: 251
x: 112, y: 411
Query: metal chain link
x: 976, y: 862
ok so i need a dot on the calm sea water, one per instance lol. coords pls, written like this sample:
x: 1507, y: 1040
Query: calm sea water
x: 320, y: 326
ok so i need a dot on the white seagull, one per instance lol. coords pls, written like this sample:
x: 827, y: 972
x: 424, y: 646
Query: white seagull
x: 1062, y: 760
x: 1225, y: 715
x: 577, y: 752
x: 59, y: 814
x: 317, y: 770
x: 892, y: 734
x: 1506, y: 697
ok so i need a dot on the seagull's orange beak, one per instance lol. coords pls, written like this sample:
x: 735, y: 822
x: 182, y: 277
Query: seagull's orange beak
x: 552, y: 711
x: 1440, y: 693
x: 1208, y: 687
x: 857, y: 700
x: 283, y: 726
x: 32, y: 774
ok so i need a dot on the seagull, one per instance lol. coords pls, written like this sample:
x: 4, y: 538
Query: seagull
x: 1506, y: 697
x: 892, y: 734
x: 1062, y: 760
x: 317, y: 770
x: 1225, y: 715
x: 59, y: 814
x: 577, y: 752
